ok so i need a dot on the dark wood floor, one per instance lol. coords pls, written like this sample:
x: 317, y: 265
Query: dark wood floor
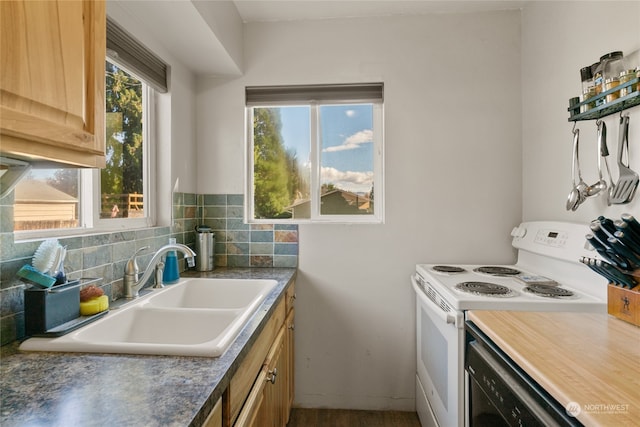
x: 351, y: 418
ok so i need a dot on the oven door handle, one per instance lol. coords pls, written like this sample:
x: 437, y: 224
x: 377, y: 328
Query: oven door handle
x: 454, y: 318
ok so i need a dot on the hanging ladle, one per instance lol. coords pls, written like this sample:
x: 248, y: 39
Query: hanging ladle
x: 578, y: 193
x: 601, y: 185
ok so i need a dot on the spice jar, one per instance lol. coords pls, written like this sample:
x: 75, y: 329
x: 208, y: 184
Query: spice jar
x: 588, y: 88
x: 609, y: 84
x: 627, y: 76
x: 609, y: 67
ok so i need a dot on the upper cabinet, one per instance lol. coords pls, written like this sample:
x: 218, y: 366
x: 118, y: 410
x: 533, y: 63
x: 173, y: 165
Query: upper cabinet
x: 53, y: 81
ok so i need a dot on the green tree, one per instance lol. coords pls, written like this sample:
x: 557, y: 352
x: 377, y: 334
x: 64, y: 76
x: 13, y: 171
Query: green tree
x: 123, y: 172
x: 65, y: 180
x: 272, y: 191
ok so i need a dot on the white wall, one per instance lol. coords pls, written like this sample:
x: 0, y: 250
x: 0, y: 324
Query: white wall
x: 176, y: 127
x: 453, y: 181
x: 559, y: 38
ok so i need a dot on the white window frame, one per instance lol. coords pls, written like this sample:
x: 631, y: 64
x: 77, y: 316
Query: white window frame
x: 148, y: 170
x: 316, y: 217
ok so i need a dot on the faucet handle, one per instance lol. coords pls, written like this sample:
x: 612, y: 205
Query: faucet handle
x: 132, y: 268
x: 159, y: 271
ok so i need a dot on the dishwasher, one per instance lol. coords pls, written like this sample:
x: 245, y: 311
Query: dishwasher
x: 501, y: 393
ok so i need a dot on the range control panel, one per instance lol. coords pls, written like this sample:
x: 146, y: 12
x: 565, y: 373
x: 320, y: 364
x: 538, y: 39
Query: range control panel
x: 561, y: 240
x: 556, y: 239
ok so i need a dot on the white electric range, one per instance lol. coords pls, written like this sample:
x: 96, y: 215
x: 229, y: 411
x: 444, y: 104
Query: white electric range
x: 547, y: 276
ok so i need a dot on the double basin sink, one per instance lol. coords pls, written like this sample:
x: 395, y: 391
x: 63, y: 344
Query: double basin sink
x: 194, y: 317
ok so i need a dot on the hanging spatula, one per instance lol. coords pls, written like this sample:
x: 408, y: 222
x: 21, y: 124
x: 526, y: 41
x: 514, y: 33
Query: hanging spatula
x: 627, y: 183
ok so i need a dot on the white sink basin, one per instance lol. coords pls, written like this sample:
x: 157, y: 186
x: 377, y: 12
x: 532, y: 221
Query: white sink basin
x: 195, y: 317
x: 221, y: 293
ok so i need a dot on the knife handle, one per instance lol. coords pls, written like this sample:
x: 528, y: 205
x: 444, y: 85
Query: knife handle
x: 626, y: 229
x: 624, y: 252
x: 631, y: 222
x: 599, y: 234
x: 612, y: 258
x: 633, y: 245
x: 608, y: 271
x: 606, y: 225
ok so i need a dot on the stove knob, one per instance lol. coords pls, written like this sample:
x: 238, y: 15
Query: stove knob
x: 518, y: 232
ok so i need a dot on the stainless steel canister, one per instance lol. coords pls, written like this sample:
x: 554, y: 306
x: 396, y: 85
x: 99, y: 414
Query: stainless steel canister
x: 205, y: 242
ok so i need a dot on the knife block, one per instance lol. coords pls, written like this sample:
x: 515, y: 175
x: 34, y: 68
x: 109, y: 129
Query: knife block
x: 624, y: 303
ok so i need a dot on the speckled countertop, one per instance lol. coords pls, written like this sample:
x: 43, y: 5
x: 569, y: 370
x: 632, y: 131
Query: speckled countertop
x: 82, y: 389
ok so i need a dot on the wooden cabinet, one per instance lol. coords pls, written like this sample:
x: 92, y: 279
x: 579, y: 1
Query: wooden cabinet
x: 53, y: 81
x: 244, y: 379
x: 215, y: 416
x: 265, y: 400
x: 289, y: 325
x: 290, y: 360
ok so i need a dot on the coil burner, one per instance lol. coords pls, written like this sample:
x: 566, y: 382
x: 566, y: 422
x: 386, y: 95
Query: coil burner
x: 485, y: 289
x: 448, y: 269
x: 548, y: 291
x: 493, y: 270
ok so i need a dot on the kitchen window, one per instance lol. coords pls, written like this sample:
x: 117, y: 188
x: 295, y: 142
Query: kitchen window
x: 315, y: 153
x: 51, y: 202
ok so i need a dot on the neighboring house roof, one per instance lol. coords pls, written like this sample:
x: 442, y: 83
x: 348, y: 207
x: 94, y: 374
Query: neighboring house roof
x: 351, y: 198
x: 33, y: 191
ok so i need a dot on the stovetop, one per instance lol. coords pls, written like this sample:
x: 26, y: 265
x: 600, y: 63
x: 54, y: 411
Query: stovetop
x: 548, y: 256
x: 512, y: 288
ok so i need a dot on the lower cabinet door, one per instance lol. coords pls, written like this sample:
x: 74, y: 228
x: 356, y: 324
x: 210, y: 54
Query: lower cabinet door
x: 254, y: 405
x: 267, y: 401
x: 215, y: 416
x: 289, y: 360
x: 273, y: 413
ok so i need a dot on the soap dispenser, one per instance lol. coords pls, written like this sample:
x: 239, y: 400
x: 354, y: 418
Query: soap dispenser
x: 170, y: 274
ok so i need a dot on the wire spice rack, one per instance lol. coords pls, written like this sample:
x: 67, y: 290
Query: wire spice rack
x: 630, y: 100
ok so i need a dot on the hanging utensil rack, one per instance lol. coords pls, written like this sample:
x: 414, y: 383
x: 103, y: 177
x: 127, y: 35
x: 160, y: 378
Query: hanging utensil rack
x: 615, y: 106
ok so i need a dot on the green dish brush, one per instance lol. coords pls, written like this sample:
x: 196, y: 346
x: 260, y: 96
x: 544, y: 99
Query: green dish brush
x: 31, y: 275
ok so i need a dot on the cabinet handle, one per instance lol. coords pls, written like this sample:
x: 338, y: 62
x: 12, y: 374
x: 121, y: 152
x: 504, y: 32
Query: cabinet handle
x: 292, y: 326
x: 272, y: 375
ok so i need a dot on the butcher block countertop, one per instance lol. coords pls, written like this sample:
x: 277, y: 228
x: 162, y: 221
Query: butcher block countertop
x: 589, y: 359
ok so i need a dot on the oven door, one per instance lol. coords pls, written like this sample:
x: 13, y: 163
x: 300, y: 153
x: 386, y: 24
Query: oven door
x: 440, y: 360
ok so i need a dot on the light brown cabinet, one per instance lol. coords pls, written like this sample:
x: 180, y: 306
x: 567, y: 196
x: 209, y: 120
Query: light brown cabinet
x: 289, y: 325
x: 265, y: 400
x: 289, y: 361
x: 215, y: 416
x: 53, y: 81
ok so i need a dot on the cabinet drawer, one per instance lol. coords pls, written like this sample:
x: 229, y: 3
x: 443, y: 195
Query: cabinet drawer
x: 245, y: 377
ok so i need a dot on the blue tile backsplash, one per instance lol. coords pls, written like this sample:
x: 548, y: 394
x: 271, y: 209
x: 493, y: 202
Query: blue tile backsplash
x: 105, y: 254
x: 246, y: 245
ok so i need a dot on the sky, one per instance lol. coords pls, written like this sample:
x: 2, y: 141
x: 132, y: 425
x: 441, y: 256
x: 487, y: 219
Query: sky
x: 346, y: 142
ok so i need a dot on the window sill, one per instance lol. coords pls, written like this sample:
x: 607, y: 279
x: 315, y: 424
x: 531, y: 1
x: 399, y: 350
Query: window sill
x: 30, y: 236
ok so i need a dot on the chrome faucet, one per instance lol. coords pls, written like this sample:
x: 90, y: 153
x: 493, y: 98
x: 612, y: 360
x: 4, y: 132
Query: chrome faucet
x: 133, y: 284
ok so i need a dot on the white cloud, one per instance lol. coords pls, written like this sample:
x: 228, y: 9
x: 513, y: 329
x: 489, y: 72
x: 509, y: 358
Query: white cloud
x: 350, y: 113
x: 348, y: 180
x: 352, y: 142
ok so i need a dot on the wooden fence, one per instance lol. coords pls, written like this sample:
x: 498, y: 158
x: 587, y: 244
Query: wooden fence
x: 129, y: 205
